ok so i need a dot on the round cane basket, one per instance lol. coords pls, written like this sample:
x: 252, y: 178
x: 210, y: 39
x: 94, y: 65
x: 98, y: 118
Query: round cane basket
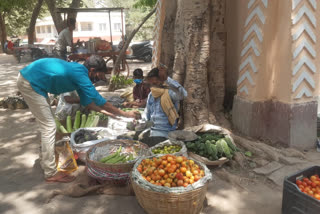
x: 189, y: 202
x: 112, y: 173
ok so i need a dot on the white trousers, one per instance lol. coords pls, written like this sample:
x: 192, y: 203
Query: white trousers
x: 40, y: 108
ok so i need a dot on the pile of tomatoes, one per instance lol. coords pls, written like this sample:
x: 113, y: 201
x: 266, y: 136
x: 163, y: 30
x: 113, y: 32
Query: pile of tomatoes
x: 310, y: 186
x: 170, y: 171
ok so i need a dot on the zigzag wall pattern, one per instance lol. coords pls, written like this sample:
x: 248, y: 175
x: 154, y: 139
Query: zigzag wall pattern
x: 303, y: 30
x: 252, y: 39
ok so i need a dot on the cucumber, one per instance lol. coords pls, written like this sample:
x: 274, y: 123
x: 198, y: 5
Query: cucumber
x: 62, y: 129
x: 83, y: 121
x: 69, y: 124
x: 230, y: 144
x: 77, y: 119
x: 226, y: 149
x: 58, y: 124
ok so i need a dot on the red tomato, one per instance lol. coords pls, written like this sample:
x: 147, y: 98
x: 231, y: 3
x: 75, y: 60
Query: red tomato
x: 301, y: 186
x: 304, y: 184
x: 171, y: 170
x: 161, y: 172
x: 305, y: 179
x: 317, y: 196
x: 313, y: 184
x: 183, y: 169
x: 167, y: 185
x: 309, y: 183
x: 179, y: 176
x: 313, y: 178
x: 169, y: 159
x: 180, y: 183
x: 298, y: 182
x: 179, y: 159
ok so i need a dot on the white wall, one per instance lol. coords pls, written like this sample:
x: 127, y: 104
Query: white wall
x: 95, y: 20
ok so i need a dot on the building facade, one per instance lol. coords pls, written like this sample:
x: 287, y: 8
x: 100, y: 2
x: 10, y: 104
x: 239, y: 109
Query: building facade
x: 89, y: 25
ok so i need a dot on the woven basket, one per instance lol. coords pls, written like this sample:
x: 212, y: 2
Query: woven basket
x: 190, y: 202
x: 208, y: 162
x: 118, y: 168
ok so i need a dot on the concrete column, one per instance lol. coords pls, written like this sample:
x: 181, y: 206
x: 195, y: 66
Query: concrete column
x: 278, y: 72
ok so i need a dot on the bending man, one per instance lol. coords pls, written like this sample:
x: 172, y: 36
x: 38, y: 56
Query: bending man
x: 56, y: 76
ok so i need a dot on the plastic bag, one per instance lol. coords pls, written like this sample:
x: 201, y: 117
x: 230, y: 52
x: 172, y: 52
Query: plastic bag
x: 128, y: 94
x: 65, y: 160
x: 64, y: 109
x: 182, y: 152
x: 82, y: 148
x: 116, y: 101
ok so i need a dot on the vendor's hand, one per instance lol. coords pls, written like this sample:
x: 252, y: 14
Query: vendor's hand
x: 109, y: 114
x: 133, y: 114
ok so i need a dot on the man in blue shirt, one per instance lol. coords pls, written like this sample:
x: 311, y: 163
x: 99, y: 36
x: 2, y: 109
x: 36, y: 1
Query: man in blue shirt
x: 162, y: 105
x: 56, y: 76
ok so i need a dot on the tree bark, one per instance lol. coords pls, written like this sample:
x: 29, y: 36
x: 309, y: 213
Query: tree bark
x: 33, y: 20
x: 192, y: 39
x: 3, y: 29
x: 56, y: 17
x: 198, y: 56
x: 126, y: 45
x: 74, y: 4
x: 167, y: 52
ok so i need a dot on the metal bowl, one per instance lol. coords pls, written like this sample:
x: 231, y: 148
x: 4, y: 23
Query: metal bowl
x: 181, y: 135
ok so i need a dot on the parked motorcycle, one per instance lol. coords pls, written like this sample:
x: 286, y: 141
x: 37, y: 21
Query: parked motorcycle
x: 141, y: 51
x: 34, y: 53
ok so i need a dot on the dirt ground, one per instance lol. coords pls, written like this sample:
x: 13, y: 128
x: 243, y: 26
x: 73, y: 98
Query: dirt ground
x: 23, y: 190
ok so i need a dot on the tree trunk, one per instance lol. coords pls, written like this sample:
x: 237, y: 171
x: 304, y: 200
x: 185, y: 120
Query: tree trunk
x: 33, y: 20
x: 192, y: 39
x: 56, y: 17
x: 167, y: 52
x: 74, y: 4
x: 199, y: 39
x: 126, y: 45
x: 3, y: 29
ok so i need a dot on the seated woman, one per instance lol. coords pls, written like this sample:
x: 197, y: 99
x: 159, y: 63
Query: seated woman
x: 162, y: 106
x: 140, y: 91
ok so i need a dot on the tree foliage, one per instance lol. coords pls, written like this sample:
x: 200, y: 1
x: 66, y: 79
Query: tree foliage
x: 135, y: 12
x: 145, y: 3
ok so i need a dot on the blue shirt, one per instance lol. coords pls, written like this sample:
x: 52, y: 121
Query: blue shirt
x: 57, y: 76
x: 154, y: 112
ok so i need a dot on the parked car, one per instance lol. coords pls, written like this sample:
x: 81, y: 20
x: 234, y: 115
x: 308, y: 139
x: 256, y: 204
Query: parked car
x: 141, y: 51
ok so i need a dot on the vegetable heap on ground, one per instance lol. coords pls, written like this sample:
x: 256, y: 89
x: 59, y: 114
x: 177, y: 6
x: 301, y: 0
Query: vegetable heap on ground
x: 117, y: 157
x: 170, y: 171
x: 81, y: 121
x: 212, y: 146
x: 167, y: 149
x: 310, y: 186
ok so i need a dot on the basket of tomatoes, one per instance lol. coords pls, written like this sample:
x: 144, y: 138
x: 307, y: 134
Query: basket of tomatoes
x: 301, y: 192
x: 170, y: 184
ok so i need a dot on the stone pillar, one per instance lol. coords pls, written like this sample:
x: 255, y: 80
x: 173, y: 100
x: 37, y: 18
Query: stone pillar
x: 278, y: 72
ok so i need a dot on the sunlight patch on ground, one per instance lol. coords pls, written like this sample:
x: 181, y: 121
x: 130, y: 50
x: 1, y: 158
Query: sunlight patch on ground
x: 20, y: 204
x: 228, y: 201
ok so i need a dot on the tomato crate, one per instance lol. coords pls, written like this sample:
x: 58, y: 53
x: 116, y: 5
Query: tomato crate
x: 296, y: 202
